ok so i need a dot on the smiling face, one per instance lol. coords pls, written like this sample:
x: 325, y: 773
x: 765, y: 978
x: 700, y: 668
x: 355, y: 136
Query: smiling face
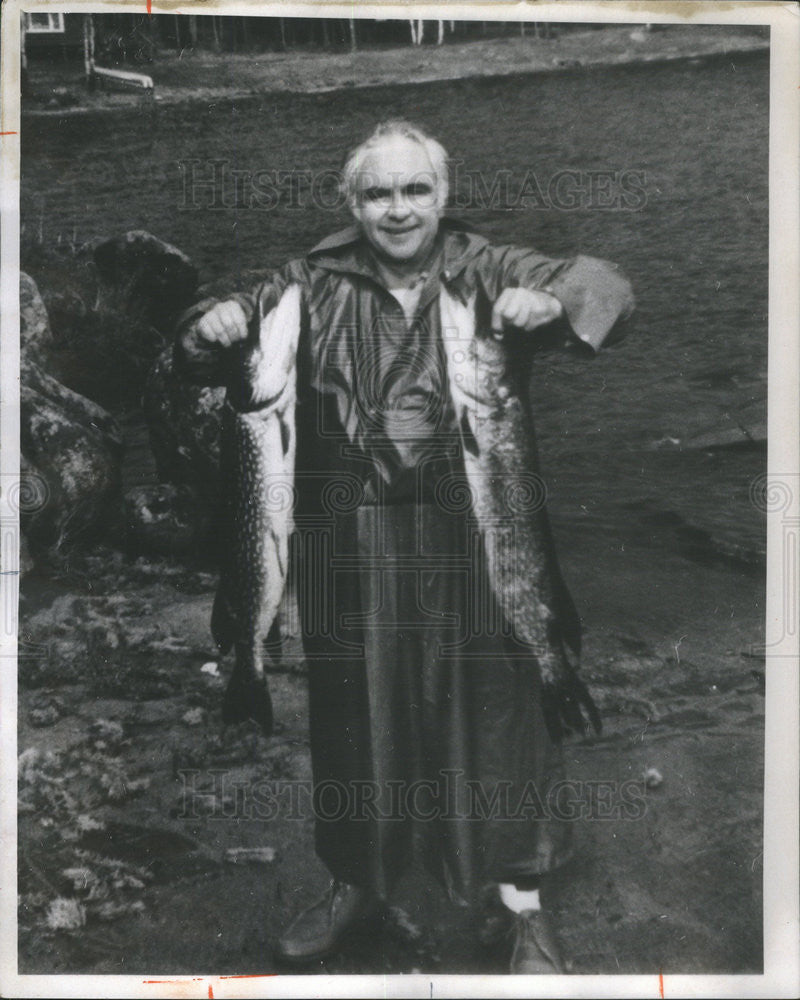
x: 397, y: 201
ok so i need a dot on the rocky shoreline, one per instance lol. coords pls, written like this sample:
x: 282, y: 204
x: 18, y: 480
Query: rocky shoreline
x: 115, y: 309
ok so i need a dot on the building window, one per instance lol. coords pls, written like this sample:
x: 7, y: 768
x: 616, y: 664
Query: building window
x: 44, y: 23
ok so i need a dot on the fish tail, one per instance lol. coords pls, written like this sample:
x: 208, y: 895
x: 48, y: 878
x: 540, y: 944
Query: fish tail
x: 247, y: 695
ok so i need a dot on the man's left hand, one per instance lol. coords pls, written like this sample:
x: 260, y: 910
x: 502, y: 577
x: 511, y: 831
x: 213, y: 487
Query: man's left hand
x: 524, y: 309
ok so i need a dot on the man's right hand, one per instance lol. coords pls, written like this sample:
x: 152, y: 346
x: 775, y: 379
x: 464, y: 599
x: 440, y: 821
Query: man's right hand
x: 224, y: 325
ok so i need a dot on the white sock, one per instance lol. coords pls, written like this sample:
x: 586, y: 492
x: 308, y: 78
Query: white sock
x: 517, y: 900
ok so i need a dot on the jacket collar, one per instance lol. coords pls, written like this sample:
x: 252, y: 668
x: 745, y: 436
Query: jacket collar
x: 345, y: 251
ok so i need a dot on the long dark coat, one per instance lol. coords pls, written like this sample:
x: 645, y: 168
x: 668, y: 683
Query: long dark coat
x: 398, y: 695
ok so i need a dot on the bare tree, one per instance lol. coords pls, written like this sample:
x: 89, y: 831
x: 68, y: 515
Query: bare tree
x: 88, y: 48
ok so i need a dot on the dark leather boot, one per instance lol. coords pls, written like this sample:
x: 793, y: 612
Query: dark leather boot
x: 318, y: 930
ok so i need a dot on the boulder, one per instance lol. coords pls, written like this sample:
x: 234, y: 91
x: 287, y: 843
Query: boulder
x: 184, y: 422
x: 158, y: 279
x: 71, y: 448
x: 35, y: 335
x: 165, y: 520
x: 102, y: 338
x: 72, y: 452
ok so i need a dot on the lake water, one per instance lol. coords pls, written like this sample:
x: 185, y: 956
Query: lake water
x: 678, y: 157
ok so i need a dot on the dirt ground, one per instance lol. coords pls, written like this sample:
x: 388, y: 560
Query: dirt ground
x: 129, y: 806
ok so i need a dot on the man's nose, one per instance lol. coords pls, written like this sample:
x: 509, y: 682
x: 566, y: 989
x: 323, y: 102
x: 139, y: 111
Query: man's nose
x: 399, y: 207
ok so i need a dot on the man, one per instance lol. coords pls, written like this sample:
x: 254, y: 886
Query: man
x: 424, y: 704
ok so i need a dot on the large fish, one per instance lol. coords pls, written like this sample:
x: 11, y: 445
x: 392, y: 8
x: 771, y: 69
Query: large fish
x: 489, y: 395
x: 258, y: 456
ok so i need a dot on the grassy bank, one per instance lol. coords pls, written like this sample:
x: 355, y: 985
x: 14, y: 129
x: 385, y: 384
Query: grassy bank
x: 59, y: 87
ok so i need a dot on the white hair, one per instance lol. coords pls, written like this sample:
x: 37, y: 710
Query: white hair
x: 390, y: 129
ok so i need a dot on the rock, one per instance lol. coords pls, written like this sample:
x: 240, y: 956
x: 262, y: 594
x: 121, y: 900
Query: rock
x: 157, y: 277
x: 113, y: 911
x: 61, y: 97
x: 29, y: 764
x: 653, y: 777
x: 109, y: 731
x: 65, y: 914
x: 71, y: 447
x: 72, y: 461
x: 75, y: 407
x: 118, y: 787
x: 250, y: 855
x: 164, y: 519
x: 46, y: 715
x: 184, y: 422
x: 104, y: 341
x: 85, y: 823
x: 35, y: 335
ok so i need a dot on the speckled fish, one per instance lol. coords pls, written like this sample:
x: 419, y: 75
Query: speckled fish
x: 489, y: 396
x: 258, y: 456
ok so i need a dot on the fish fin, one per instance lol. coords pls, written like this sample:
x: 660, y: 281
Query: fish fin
x: 564, y: 702
x: 274, y: 642
x: 467, y: 437
x: 569, y: 622
x: 286, y: 428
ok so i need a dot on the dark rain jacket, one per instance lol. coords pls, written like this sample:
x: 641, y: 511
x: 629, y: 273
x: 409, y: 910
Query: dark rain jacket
x: 343, y: 295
